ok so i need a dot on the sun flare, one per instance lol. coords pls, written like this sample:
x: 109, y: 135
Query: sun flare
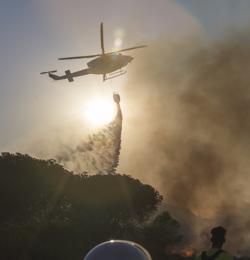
x: 99, y: 112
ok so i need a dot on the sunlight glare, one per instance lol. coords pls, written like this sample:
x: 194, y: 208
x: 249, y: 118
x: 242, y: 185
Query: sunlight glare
x: 118, y: 42
x: 100, y: 112
x: 119, y: 36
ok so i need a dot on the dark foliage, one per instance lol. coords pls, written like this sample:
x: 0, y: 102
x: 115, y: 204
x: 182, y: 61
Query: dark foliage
x: 49, y: 213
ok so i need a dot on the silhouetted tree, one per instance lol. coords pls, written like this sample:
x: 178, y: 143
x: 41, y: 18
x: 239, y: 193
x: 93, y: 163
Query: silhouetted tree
x: 164, y: 231
x: 48, y: 212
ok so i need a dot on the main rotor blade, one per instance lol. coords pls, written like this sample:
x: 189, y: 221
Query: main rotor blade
x: 128, y: 49
x: 102, y: 39
x: 80, y: 57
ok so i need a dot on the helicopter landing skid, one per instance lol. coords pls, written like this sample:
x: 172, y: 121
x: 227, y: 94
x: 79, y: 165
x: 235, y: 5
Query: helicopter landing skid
x: 115, y: 74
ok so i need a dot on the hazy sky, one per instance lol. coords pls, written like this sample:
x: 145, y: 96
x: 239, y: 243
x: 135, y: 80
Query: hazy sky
x: 34, y: 33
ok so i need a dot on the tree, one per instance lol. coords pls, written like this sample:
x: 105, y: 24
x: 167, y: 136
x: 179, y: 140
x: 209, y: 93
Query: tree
x: 48, y: 212
x: 164, y: 231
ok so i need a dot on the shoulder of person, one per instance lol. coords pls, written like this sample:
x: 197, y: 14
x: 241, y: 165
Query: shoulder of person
x: 226, y: 255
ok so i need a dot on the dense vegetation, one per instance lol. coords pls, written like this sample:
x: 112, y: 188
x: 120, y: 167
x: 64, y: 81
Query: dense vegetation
x: 48, y: 212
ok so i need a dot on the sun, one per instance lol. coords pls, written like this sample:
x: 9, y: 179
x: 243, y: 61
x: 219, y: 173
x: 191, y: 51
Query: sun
x: 99, y: 112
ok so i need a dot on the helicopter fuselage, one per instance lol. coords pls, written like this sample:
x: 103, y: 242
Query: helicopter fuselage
x: 108, y: 63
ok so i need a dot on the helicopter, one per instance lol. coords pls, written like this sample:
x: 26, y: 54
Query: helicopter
x: 108, y: 64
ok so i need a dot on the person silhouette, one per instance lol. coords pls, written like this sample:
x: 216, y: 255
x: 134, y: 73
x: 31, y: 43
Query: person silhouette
x: 216, y: 252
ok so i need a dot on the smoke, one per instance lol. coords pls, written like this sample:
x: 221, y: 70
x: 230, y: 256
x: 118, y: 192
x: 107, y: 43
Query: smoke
x: 99, y: 154
x: 192, y: 100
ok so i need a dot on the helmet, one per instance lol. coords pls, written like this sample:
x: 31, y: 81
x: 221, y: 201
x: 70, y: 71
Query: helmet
x: 118, y: 250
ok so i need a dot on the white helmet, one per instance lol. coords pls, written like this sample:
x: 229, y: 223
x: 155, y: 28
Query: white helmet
x: 118, y: 250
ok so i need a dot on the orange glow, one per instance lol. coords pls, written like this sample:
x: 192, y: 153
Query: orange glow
x: 178, y: 250
x: 188, y: 252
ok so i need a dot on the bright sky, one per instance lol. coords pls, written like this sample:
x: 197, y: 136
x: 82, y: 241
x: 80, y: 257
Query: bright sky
x: 34, y: 33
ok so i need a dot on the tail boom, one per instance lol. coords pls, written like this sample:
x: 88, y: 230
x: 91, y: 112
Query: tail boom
x: 69, y: 75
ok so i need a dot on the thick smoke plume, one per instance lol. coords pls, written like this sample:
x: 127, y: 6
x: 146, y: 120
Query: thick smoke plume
x: 192, y: 128
x: 99, y: 154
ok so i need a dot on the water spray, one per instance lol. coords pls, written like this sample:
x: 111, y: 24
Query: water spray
x: 100, y: 153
